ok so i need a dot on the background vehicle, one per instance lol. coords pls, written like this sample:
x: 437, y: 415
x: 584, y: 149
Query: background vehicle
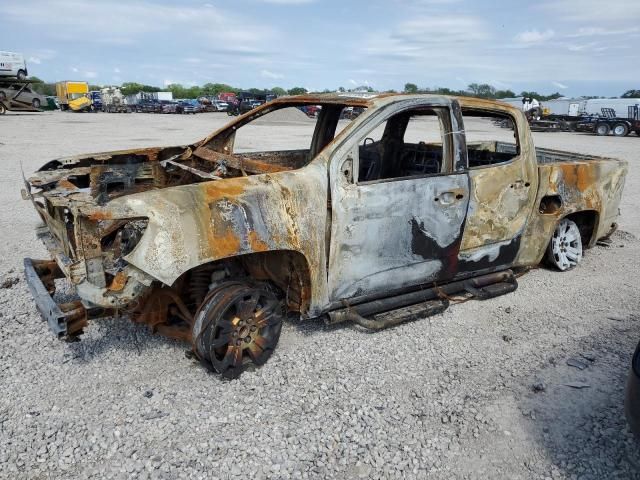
x: 350, y: 226
x: 220, y: 106
x: 13, y: 65
x: 632, y: 402
x: 168, y: 106
x: 184, y: 106
x: 96, y: 100
x: 618, y: 126
x: 22, y: 93
x: 148, y: 105
x: 113, y: 101
x: 73, y: 96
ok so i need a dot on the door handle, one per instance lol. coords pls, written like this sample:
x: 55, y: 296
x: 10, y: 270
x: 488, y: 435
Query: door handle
x: 447, y: 198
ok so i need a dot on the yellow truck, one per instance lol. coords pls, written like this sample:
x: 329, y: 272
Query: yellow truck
x: 73, y: 96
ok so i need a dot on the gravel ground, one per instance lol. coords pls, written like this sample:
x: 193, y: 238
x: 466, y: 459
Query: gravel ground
x: 482, y: 391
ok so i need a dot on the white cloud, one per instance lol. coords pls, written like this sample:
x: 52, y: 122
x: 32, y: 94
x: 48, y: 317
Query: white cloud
x: 561, y: 86
x: 193, y: 60
x: 35, y: 60
x: 270, y: 74
x: 535, y: 36
x: 116, y: 70
x: 74, y: 69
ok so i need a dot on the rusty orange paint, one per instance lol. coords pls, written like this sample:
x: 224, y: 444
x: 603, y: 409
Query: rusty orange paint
x: 576, y: 174
x: 230, y: 188
x: 100, y: 215
x: 256, y: 243
x: 119, y: 281
x: 226, y: 244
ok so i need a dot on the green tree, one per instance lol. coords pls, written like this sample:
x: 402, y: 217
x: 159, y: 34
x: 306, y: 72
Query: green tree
x: 279, y: 91
x: 505, y: 94
x: 297, y: 91
x: 410, y: 88
x: 631, y: 94
x: 131, y: 88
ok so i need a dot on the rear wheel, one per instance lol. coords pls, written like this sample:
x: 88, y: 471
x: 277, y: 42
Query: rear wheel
x: 2, y: 109
x: 36, y: 103
x: 22, y: 75
x: 620, y: 130
x: 565, y: 248
x: 602, y: 129
x: 237, y: 325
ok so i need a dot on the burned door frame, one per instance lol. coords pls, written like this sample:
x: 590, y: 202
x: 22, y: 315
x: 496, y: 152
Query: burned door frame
x: 501, y: 196
x: 428, y: 210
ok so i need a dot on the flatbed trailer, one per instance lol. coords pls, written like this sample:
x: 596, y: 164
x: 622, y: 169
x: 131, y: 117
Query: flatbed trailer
x: 12, y: 104
x: 620, y: 127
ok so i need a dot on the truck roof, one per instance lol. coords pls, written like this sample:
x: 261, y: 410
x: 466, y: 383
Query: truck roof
x: 369, y: 100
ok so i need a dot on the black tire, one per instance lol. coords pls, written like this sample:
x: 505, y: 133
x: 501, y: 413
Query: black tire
x: 22, y: 75
x: 620, y: 130
x: 3, y: 109
x: 36, y: 103
x: 632, y: 400
x: 602, y: 129
x: 236, y: 326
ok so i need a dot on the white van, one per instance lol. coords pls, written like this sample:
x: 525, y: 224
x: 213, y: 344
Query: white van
x: 13, y: 65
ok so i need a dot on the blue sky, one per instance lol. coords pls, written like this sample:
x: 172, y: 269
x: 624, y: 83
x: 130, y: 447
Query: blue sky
x: 577, y: 47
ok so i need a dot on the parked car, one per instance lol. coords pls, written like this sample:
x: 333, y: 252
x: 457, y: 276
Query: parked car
x: 632, y: 403
x: 13, y: 65
x: 213, y: 244
x: 148, y: 105
x: 21, y: 92
x: 220, y: 106
x: 168, y: 106
x: 186, y: 107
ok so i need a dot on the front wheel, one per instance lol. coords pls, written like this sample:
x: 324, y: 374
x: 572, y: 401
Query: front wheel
x: 22, y: 75
x: 237, y: 325
x: 2, y: 108
x: 565, y: 248
x: 36, y: 103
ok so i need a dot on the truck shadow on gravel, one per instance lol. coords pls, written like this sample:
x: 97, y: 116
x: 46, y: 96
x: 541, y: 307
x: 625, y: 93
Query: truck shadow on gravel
x: 577, y: 412
x: 121, y: 335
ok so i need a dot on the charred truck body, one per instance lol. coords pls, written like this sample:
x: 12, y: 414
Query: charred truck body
x: 212, y: 244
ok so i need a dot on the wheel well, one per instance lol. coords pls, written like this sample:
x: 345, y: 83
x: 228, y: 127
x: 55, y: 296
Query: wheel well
x: 586, y: 221
x: 286, y: 269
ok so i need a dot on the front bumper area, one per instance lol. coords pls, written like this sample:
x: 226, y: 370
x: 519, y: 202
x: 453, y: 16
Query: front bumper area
x: 65, y: 320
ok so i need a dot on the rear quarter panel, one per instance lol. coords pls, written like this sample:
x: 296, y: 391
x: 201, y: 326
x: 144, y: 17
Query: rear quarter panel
x: 594, y: 184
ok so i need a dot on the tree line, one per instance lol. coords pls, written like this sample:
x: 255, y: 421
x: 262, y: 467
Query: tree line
x: 481, y: 90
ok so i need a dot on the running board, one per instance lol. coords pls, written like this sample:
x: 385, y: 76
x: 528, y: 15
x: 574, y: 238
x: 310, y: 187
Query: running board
x: 383, y: 313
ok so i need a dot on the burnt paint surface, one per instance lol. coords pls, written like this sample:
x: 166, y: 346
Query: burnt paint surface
x: 382, y: 236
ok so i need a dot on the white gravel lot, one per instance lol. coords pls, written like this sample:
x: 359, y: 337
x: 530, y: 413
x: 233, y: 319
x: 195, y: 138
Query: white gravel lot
x: 447, y: 397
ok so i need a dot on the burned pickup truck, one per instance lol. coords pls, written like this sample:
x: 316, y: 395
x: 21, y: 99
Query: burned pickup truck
x: 418, y: 198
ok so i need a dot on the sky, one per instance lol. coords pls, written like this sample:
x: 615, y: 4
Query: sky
x: 575, y: 47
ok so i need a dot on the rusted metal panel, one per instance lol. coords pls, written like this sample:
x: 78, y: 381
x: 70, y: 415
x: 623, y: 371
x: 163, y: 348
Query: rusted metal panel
x: 501, y: 195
